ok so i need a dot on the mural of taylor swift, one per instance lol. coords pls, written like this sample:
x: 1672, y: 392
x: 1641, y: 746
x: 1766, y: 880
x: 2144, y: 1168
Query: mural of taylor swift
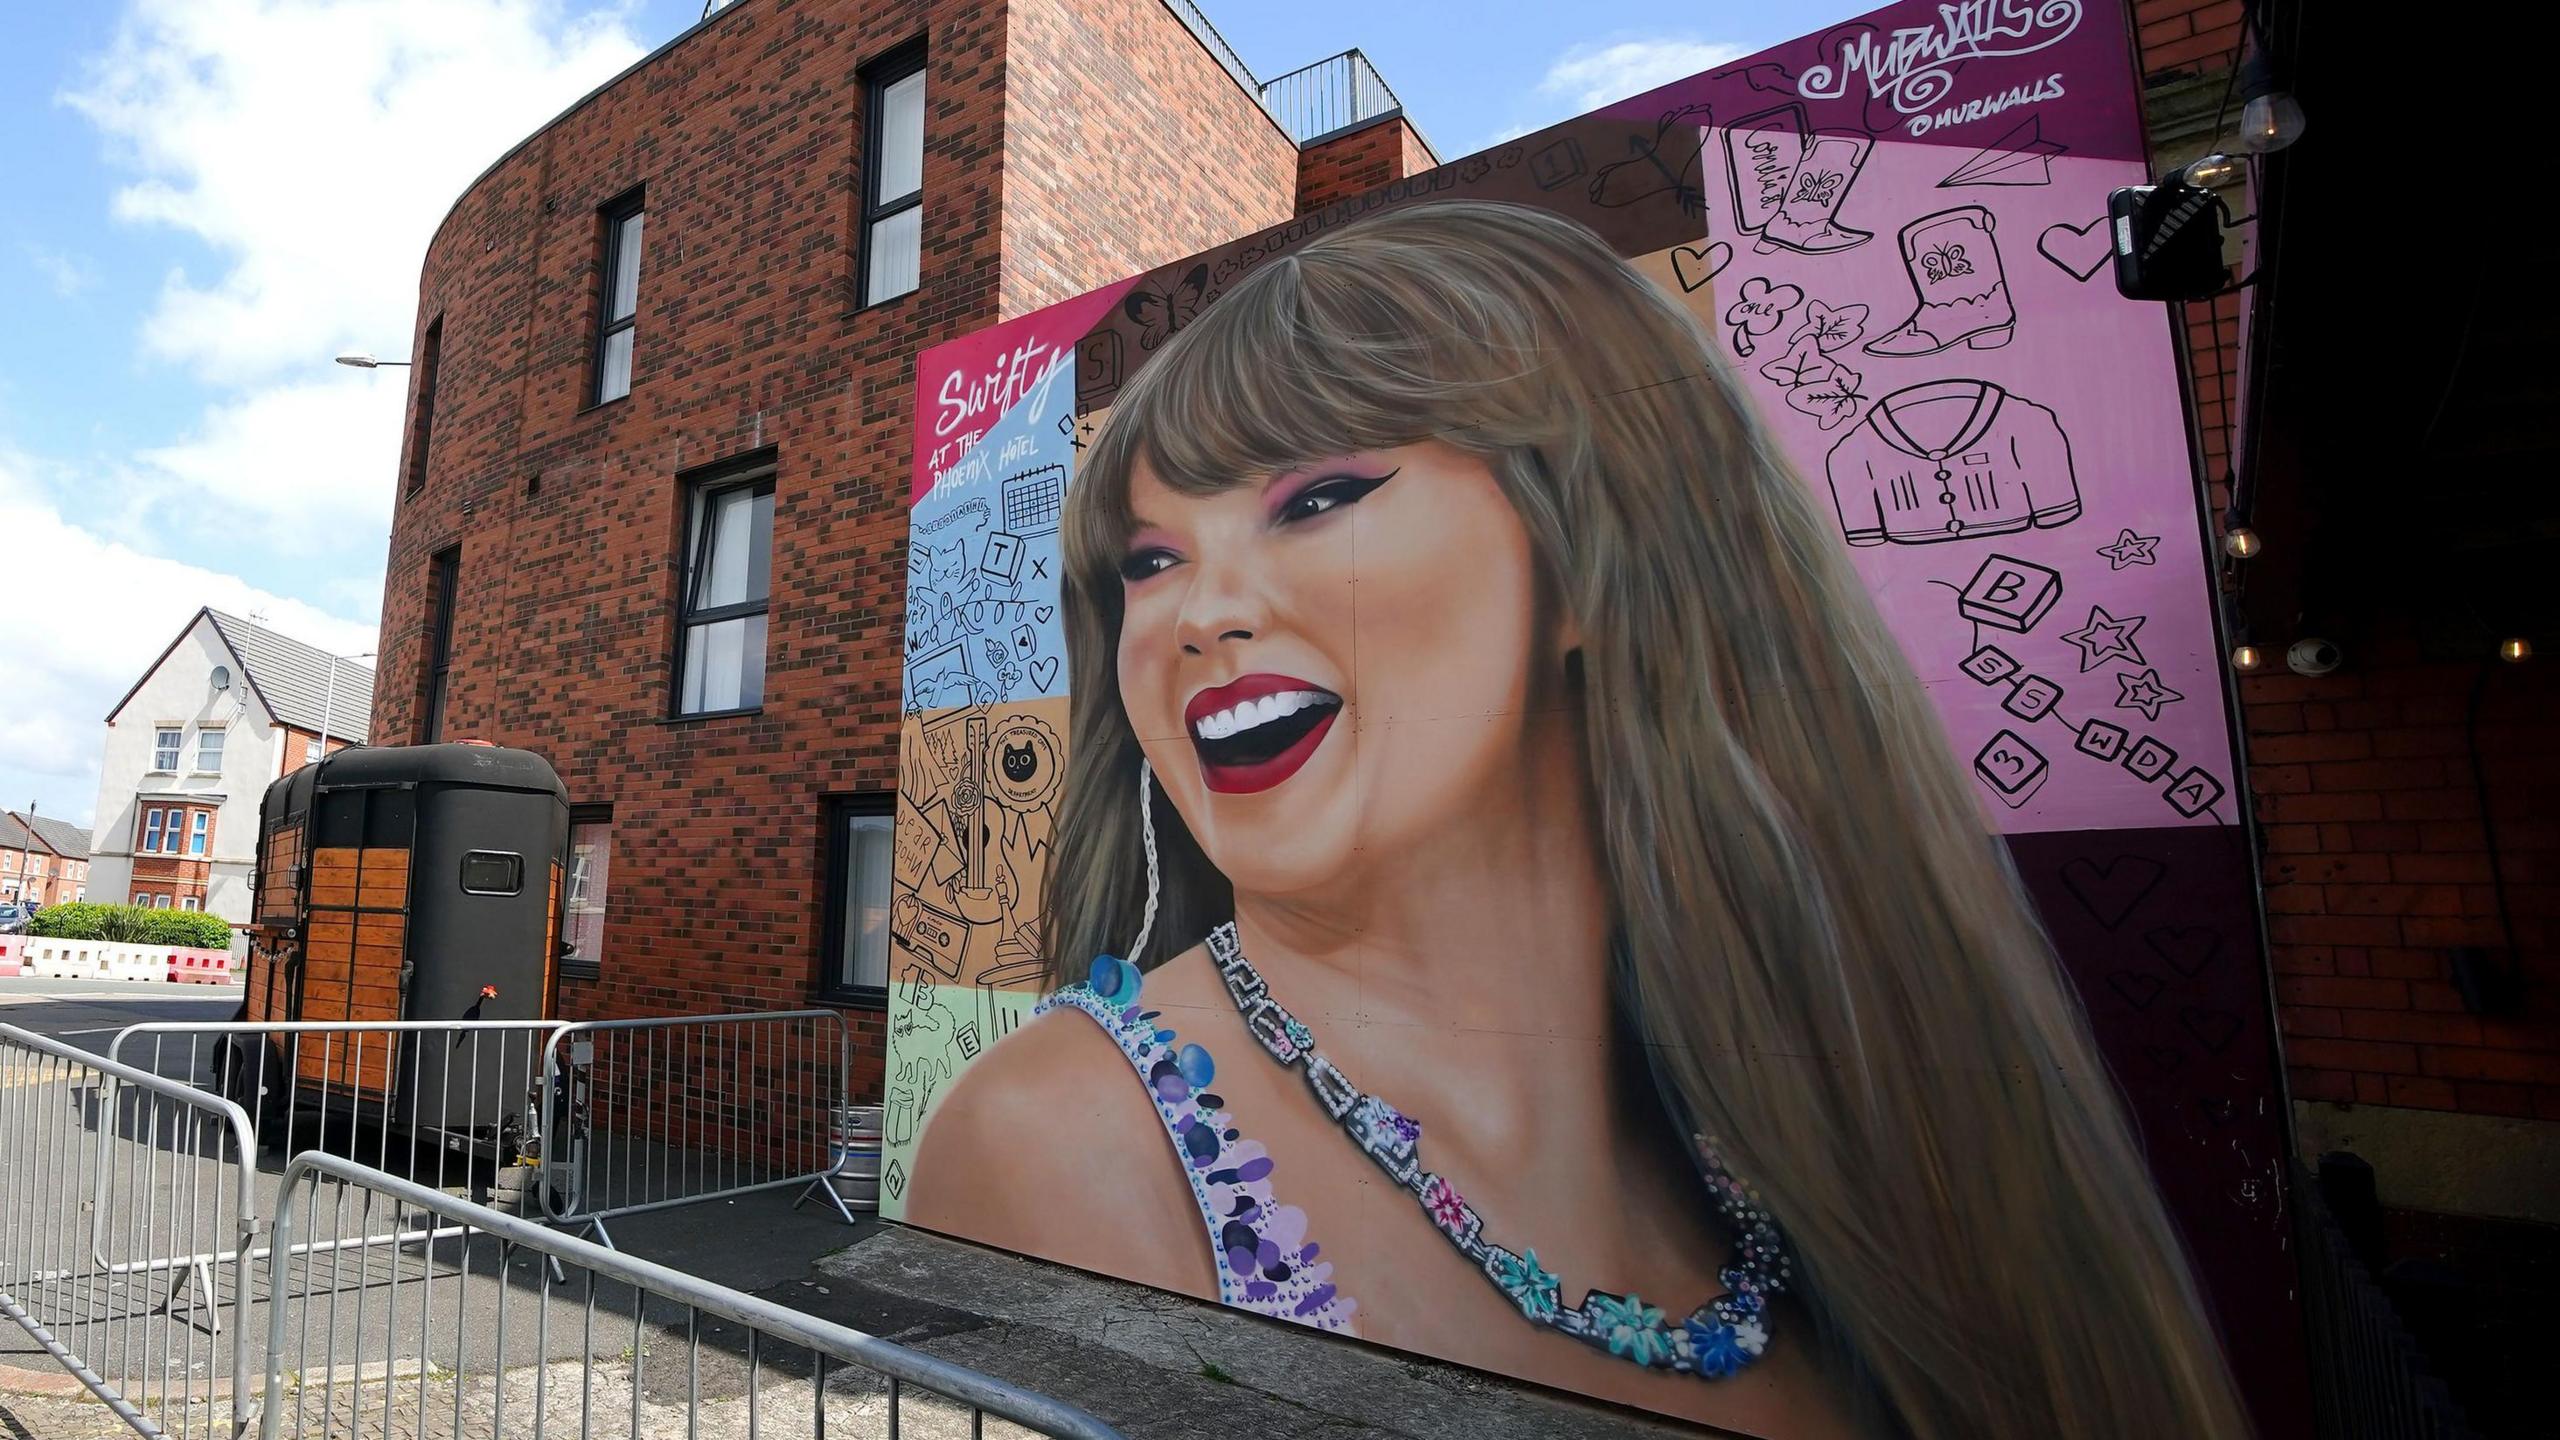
x: 1558, y: 936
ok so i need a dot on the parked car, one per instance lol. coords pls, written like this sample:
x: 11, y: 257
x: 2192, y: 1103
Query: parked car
x: 14, y: 917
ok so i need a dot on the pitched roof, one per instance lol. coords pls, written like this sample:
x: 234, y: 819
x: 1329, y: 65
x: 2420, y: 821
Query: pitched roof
x: 59, y: 836
x: 292, y: 679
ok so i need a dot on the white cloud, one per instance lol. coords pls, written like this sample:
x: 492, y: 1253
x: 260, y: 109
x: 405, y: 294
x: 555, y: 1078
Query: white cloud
x: 305, y: 466
x: 101, y: 612
x: 67, y: 273
x: 1591, y: 76
x: 309, y: 148
x: 313, y: 145
x: 1599, y: 73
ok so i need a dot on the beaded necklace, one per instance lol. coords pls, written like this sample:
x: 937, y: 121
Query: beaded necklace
x: 1717, y: 1339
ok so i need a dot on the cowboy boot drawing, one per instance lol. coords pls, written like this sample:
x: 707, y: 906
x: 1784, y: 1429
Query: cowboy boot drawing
x: 1807, y: 221
x: 1761, y: 156
x: 1963, y: 293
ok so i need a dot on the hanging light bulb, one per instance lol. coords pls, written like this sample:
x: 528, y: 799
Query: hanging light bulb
x: 2271, y: 118
x: 2212, y: 172
x: 2515, y: 650
x: 2240, y: 542
x: 2246, y: 657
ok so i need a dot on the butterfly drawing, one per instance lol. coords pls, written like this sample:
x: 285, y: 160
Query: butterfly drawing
x: 1945, y: 262
x: 1817, y: 187
x: 1160, y: 313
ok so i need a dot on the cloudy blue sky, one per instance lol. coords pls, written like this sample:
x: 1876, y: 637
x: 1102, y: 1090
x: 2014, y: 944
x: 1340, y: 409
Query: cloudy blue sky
x: 210, y: 198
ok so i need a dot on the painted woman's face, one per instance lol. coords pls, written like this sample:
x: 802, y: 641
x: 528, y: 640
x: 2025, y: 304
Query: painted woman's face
x: 1336, y: 659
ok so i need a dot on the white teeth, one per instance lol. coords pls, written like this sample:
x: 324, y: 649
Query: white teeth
x: 1250, y: 713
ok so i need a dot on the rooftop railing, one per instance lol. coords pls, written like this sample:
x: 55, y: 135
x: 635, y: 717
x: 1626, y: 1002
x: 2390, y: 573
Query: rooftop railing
x: 1312, y: 102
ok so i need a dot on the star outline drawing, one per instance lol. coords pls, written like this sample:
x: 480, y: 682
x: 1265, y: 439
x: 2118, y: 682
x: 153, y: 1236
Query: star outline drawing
x: 2106, y: 638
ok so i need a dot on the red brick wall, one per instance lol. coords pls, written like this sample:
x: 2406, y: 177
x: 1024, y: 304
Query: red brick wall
x: 1126, y: 146
x: 1346, y: 165
x: 2377, y: 859
x: 2379, y: 868
x: 747, y: 136
x: 2186, y: 36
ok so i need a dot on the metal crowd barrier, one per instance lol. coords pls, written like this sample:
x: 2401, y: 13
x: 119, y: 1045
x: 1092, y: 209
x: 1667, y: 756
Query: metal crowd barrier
x: 2369, y: 1379
x: 474, y: 1335
x: 127, y: 1208
x: 602, y: 1118
x: 653, y: 1113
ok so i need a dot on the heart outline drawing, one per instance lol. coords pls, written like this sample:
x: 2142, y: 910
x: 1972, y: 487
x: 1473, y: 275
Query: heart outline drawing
x: 2137, y: 989
x: 1043, y: 671
x: 2188, y: 949
x: 1714, y: 257
x: 2110, y: 892
x: 2078, y: 242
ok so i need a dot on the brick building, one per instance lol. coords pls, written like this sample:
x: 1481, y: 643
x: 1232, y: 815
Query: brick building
x: 652, y: 519
x: 2405, y: 783
x: 42, y: 860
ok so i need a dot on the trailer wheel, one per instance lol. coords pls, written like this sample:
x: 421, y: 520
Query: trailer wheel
x: 237, y: 1070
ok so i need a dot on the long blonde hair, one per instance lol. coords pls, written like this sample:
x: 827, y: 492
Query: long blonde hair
x: 1832, y: 967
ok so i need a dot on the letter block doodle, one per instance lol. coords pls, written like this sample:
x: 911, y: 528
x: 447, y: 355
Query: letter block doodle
x: 1990, y: 665
x: 2011, y: 767
x: 2193, y: 792
x: 2100, y: 739
x: 2010, y: 594
x: 2033, y: 699
x: 2149, y: 759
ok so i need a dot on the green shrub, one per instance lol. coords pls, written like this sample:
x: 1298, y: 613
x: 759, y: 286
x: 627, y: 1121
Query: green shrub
x: 132, y: 925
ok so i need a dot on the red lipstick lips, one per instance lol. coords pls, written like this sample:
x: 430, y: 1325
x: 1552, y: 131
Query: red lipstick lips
x: 1257, y: 730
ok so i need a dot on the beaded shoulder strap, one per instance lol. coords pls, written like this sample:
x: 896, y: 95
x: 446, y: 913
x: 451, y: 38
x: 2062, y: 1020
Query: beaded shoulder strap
x: 1265, y: 1261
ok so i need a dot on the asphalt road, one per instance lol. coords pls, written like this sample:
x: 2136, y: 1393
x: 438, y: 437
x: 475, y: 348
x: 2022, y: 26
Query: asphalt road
x: 88, y: 1013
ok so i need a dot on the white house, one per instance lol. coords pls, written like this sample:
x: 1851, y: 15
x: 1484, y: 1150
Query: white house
x: 191, y: 748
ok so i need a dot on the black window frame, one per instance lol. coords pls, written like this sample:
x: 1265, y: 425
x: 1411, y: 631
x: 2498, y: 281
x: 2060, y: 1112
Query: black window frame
x: 444, y: 593
x: 609, y: 247
x: 585, y: 967
x: 832, y: 988
x: 423, y: 423
x: 877, y: 77
x: 755, y: 473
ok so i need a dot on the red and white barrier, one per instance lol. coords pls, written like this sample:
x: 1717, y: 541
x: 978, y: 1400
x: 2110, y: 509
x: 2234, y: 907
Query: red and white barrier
x: 199, y: 967
x: 44, y: 956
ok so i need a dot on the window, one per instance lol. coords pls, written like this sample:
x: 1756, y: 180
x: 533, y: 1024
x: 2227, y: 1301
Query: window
x: 422, y: 419
x: 492, y: 872
x: 311, y: 750
x: 142, y: 898
x: 199, y: 831
x: 159, y: 902
x: 166, y: 742
x: 857, y: 931
x: 190, y: 902
x: 590, y: 886
x: 209, y: 751
x: 151, y: 830
x: 728, y: 542
x: 444, y: 577
x: 619, y: 327
x: 893, y: 195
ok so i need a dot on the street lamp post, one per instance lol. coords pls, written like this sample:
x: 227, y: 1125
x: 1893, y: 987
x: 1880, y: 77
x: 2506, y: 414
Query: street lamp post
x: 365, y: 361
x: 329, y: 698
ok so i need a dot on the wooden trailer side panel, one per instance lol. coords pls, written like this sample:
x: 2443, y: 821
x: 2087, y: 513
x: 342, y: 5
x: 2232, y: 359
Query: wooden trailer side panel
x: 353, y: 947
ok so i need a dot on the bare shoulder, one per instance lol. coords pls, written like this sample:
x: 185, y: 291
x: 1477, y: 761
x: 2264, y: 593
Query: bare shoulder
x: 1049, y: 1144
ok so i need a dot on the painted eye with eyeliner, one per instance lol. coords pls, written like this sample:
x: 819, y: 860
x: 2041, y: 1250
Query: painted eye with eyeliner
x: 1138, y: 565
x: 1328, y: 495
